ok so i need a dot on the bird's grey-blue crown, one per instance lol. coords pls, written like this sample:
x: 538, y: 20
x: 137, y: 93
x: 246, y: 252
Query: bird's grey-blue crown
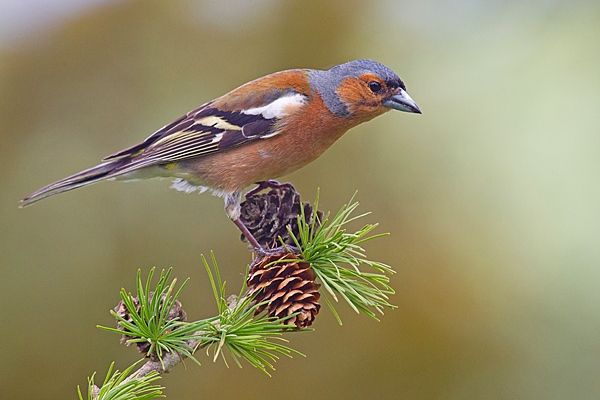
x: 326, y: 82
x: 358, y: 67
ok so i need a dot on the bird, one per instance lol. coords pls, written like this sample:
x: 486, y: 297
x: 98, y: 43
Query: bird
x: 260, y: 131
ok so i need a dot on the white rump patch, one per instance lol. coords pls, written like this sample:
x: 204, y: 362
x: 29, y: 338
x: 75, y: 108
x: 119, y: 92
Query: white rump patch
x: 279, y: 107
x: 184, y: 186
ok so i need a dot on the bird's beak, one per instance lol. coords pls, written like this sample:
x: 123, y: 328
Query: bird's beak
x: 402, y: 102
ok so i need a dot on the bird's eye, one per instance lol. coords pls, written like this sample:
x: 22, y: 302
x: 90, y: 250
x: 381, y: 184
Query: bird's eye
x: 375, y: 86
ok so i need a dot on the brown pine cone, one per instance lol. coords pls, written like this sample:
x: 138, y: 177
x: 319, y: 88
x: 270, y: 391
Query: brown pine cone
x: 288, y: 286
x: 144, y: 347
x: 267, y: 215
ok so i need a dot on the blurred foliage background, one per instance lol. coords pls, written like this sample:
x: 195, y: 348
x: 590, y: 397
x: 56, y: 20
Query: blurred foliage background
x: 491, y: 196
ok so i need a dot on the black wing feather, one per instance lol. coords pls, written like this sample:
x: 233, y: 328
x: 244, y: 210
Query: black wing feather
x: 186, y: 137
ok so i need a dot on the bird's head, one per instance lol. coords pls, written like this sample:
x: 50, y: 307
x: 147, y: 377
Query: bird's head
x: 363, y: 89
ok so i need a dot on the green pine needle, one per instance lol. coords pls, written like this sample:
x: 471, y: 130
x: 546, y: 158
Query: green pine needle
x: 336, y: 255
x: 245, y: 336
x: 117, y: 386
x: 151, y: 323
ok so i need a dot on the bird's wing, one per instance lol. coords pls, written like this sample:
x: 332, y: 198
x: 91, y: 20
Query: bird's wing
x: 208, y: 130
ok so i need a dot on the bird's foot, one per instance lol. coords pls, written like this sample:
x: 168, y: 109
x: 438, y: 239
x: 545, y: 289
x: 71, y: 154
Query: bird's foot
x: 270, y: 184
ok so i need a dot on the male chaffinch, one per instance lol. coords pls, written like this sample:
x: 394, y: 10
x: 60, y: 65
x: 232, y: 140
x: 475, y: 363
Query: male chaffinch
x: 262, y: 130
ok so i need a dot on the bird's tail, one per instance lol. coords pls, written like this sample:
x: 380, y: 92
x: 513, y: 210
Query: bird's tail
x: 83, y: 178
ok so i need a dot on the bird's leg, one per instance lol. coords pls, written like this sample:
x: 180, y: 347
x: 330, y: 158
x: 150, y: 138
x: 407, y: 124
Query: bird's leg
x: 270, y: 184
x: 232, y: 208
x: 251, y: 239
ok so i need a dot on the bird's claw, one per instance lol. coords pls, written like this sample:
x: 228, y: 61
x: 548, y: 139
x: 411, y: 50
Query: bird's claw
x: 270, y: 184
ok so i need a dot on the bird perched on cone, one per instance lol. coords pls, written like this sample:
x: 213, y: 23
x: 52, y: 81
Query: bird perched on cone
x: 262, y: 130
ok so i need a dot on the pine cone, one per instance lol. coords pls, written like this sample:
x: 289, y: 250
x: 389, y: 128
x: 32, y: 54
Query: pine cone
x: 144, y: 347
x: 267, y: 215
x: 289, y: 287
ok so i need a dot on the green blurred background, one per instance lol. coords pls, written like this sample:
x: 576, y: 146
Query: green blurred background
x: 492, y: 196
